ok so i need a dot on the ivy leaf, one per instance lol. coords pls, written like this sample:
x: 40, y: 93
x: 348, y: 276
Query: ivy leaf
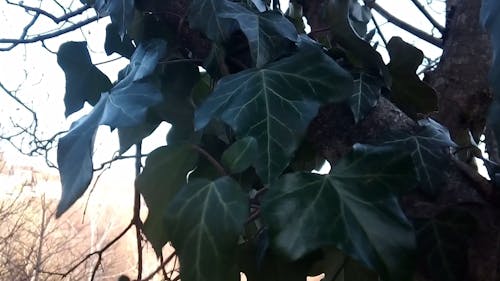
x: 429, y: 149
x: 126, y: 105
x: 84, y: 81
x: 359, y: 17
x: 114, y: 44
x: 129, y: 136
x: 204, y: 16
x: 164, y: 174
x: 367, y: 90
x: 204, y: 221
x: 240, y: 155
x: 408, y: 92
x: 275, y: 104
x: 353, y: 208
x: 360, y: 52
x: 270, y: 267
x: 178, y: 80
x: 443, y: 240
x: 121, y: 13
x: 268, y: 33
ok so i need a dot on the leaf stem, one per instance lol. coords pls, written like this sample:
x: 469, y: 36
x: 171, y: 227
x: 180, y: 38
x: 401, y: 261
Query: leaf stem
x: 212, y: 160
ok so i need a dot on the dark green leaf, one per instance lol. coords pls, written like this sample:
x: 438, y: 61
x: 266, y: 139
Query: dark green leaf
x: 275, y: 104
x: 164, y: 174
x: 271, y: 267
x: 408, y: 92
x: 240, y: 155
x: 122, y: 108
x: 268, y: 33
x: 360, y: 52
x: 204, y: 16
x: 178, y: 80
x: 367, y: 90
x: 114, y: 44
x: 129, y: 136
x: 295, y: 14
x: 121, y: 13
x: 204, y: 221
x: 126, y: 105
x: 84, y: 81
x: 353, y: 209
x: 429, y: 148
x: 443, y: 243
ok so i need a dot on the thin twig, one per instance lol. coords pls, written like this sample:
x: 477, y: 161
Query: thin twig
x: 22, y: 40
x: 159, y: 268
x: 379, y: 31
x: 405, y: 26
x: 137, y: 211
x: 119, y: 157
x: 428, y: 16
x: 43, y: 12
x: 98, y: 252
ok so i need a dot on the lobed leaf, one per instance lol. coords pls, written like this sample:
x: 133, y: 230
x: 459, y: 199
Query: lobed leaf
x: 367, y: 90
x: 240, y: 155
x: 353, y: 208
x: 84, y: 81
x: 121, y: 13
x: 429, y: 149
x: 203, y: 16
x: 163, y: 176
x: 275, y: 104
x: 408, y: 92
x: 268, y: 33
x: 204, y: 221
x: 444, y: 238
x: 126, y: 105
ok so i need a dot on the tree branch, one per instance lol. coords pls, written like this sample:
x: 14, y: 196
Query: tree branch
x: 55, y: 19
x: 405, y: 26
x: 38, y: 38
x: 428, y: 16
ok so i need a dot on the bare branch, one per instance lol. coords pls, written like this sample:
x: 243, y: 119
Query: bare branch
x: 405, y: 26
x: 38, y: 38
x: 428, y: 16
x: 39, y: 11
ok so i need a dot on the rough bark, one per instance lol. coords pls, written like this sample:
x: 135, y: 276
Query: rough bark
x: 461, y: 78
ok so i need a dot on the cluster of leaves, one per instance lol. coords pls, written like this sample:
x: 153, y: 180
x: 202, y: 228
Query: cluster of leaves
x: 232, y: 189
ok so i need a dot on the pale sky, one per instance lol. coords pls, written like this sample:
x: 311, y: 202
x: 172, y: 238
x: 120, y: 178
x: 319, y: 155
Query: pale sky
x: 41, y: 81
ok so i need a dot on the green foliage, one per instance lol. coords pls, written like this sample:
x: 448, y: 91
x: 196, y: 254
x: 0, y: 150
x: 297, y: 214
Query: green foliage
x: 204, y: 221
x: 446, y: 235
x: 126, y: 105
x: 367, y: 90
x: 429, y: 149
x: 411, y: 94
x: 270, y: 104
x: 268, y: 33
x: 240, y: 155
x: 233, y: 189
x: 163, y: 176
x: 354, y: 207
x: 84, y: 82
